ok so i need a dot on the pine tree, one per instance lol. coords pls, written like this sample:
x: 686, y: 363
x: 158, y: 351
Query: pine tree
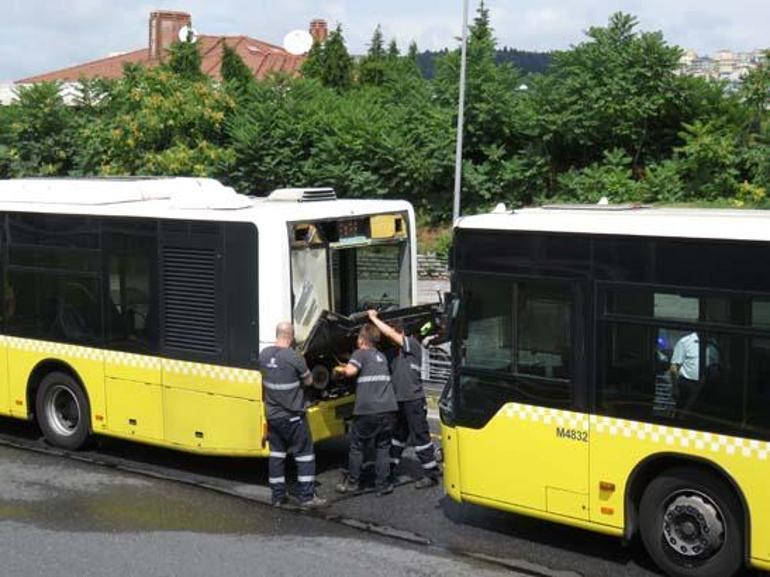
x: 413, y: 52
x: 234, y: 69
x: 372, y: 67
x: 393, y: 51
x: 336, y: 69
x: 314, y: 62
x: 377, y: 44
x: 185, y: 60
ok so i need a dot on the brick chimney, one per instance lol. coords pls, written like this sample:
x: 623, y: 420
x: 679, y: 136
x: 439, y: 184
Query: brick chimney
x: 164, y: 30
x: 319, y: 30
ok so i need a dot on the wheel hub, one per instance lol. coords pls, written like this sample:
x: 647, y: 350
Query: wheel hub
x: 693, y: 526
x: 63, y: 410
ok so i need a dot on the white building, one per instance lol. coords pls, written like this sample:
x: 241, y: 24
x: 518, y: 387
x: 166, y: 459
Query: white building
x: 725, y: 65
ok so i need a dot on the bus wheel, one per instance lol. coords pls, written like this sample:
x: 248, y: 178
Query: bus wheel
x: 691, y: 526
x: 62, y: 411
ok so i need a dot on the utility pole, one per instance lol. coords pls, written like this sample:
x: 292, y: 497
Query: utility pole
x: 460, y: 117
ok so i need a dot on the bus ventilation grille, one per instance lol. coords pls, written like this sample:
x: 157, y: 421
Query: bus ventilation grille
x: 190, y: 296
x: 318, y: 194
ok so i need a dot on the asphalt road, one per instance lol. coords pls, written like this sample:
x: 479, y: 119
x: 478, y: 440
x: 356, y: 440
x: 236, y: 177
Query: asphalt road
x: 59, y: 517
x: 109, y: 507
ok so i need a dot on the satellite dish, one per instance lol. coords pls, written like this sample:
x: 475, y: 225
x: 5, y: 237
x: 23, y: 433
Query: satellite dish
x: 298, y: 42
x: 188, y: 34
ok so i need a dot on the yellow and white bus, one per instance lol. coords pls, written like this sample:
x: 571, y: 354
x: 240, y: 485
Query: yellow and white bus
x: 136, y: 308
x: 612, y: 372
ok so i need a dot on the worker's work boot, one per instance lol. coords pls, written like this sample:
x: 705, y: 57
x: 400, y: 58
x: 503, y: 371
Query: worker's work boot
x: 426, y: 483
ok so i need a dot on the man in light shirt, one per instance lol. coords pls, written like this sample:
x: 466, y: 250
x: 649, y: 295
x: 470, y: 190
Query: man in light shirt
x: 685, y: 368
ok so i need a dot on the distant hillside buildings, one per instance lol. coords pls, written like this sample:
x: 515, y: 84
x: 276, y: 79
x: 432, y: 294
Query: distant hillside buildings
x: 725, y: 65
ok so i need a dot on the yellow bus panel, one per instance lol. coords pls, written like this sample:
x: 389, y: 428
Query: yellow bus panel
x: 324, y: 421
x: 212, y: 422
x: 5, y: 400
x: 449, y: 445
x: 196, y: 407
x: 25, y: 354
x: 132, y: 367
x: 537, y: 461
x: 134, y: 409
x: 520, y: 453
x: 220, y: 380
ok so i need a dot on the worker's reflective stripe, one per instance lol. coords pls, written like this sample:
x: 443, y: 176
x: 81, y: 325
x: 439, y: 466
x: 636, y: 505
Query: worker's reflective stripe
x: 305, y: 458
x: 277, y: 455
x: 394, y: 461
x: 281, y: 386
x: 355, y: 363
x: 305, y: 374
x: 306, y: 478
x: 374, y: 379
x: 397, y: 443
x: 276, y: 480
x: 423, y: 447
x: 430, y: 465
x: 415, y: 367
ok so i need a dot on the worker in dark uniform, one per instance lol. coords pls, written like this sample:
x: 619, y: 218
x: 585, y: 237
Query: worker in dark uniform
x: 284, y: 372
x: 374, y: 412
x: 406, y: 374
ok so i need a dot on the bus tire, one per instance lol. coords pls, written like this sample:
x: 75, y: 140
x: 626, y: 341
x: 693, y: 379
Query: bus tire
x: 691, y: 524
x: 62, y: 411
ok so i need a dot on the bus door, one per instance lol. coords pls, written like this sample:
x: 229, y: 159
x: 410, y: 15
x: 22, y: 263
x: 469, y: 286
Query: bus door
x: 521, y: 359
x: 134, y: 399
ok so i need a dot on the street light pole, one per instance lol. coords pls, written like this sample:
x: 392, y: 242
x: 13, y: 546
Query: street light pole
x: 460, y: 117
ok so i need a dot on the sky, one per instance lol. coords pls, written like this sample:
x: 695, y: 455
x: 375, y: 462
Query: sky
x: 43, y: 35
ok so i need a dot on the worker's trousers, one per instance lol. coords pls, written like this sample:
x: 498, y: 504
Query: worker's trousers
x: 413, y: 418
x: 291, y: 436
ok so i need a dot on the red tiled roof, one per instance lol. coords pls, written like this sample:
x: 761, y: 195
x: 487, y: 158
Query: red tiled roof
x: 262, y: 58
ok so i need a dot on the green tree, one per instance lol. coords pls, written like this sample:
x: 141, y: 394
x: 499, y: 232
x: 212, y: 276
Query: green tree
x: 314, y: 64
x: 157, y: 122
x: 393, y: 51
x: 413, y: 52
x: 493, y: 133
x: 364, y: 142
x: 372, y: 69
x: 709, y: 161
x: 755, y: 91
x: 617, y: 90
x: 185, y: 60
x: 42, y: 133
x: 234, y: 69
x: 7, y: 115
x: 330, y: 62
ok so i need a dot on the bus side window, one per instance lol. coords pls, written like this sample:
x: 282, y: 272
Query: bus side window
x: 544, y: 329
x: 488, y: 329
x: 701, y: 376
x: 53, y: 277
x: 130, y: 313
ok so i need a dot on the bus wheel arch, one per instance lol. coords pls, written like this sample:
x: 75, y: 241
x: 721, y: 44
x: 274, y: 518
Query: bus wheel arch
x: 656, y: 465
x: 53, y: 383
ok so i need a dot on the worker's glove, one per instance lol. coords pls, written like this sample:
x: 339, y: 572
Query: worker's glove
x: 338, y: 372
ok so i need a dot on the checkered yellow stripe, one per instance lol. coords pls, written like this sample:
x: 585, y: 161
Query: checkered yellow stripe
x: 217, y: 372
x: 546, y: 416
x: 665, y: 437
x: 61, y: 350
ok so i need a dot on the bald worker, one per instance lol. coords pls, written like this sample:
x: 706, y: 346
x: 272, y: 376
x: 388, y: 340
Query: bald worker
x: 284, y: 376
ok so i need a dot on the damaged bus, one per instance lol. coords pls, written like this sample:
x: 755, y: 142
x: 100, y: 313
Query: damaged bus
x: 137, y: 307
